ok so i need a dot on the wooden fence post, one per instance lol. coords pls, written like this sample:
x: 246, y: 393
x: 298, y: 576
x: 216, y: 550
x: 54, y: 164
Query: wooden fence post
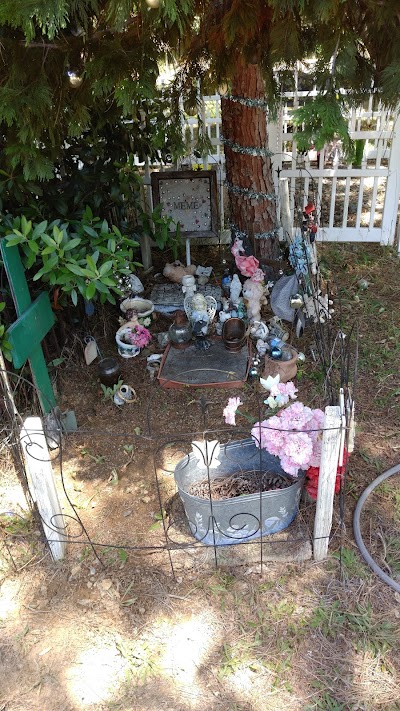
x: 326, y: 482
x: 286, y: 218
x: 42, y: 486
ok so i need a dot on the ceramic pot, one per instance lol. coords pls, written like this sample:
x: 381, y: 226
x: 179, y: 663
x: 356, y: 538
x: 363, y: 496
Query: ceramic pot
x: 109, y: 371
x: 143, y: 307
x: 125, y: 350
x: 180, y: 332
x: 286, y: 369
x: 233, y: 334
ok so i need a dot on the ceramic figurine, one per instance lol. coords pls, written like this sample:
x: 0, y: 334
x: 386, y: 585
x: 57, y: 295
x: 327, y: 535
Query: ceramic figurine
x: 200, y: 311
x: 188, y: 285
x: 235, y: 289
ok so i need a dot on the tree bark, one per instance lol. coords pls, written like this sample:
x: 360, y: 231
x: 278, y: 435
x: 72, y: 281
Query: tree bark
x: 247, y: 127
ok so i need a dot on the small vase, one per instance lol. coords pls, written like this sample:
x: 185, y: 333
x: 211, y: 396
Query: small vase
x: 109, y: 371
x: 180, y: 332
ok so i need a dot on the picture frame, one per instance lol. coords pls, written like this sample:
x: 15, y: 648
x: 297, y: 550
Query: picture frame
x: 190, y: 198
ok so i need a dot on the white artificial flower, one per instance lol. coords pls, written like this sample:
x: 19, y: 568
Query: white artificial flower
x: 270, y: 383
x: 271, y: 402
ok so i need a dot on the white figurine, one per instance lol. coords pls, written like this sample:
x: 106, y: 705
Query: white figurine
x: 235, y: 289
x: 188, y: 285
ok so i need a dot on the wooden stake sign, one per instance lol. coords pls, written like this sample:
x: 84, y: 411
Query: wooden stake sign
x: 35, y: 319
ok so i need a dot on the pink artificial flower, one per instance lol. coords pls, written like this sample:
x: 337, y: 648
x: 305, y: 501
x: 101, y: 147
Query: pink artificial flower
x: 296, y: 417
x: 230, y: 410
x: 247, y: 265
x: 299, y: 448
x: 258, y: 275
x: 288, y: 389
x: 139, y: 336
x: 289, y: 466
x: 315, y: 459
x: 267, y: 435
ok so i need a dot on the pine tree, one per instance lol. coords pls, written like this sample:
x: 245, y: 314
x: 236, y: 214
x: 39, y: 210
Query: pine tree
x: 110, y: 51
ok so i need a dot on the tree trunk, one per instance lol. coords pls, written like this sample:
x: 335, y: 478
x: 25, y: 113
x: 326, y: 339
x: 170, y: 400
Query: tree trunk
x: 246, y: 126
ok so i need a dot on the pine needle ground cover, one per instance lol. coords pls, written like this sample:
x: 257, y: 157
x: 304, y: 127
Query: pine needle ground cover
x: 127, y: 636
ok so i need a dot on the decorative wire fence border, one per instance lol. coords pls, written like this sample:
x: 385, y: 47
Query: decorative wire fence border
x: 13, y: 436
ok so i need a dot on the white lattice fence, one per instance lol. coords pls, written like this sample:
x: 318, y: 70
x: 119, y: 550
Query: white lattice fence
x: 354, y: 203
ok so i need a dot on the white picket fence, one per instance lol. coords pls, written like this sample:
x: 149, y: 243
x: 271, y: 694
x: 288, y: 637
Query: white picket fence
x: 354, y: 204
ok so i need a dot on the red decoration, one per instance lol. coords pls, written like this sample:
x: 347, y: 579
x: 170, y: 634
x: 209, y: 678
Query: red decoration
x: 312, y: 475
x: 309, y: 208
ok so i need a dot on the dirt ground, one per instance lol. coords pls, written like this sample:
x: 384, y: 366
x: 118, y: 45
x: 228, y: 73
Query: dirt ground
x: 115, y: 627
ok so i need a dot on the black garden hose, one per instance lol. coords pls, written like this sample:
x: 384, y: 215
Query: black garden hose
x: 357, y: 532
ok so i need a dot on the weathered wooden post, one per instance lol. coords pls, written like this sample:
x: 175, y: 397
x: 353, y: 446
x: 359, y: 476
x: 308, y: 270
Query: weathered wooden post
x: 42, y: 486
x: 286, y: 218
x: 326, y: 482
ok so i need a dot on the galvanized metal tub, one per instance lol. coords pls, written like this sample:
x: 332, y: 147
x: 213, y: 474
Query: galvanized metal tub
x: 242, y: 518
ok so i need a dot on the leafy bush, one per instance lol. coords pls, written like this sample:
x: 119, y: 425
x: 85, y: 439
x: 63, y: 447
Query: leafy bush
x: 81, y: 257
x: 5, y: 345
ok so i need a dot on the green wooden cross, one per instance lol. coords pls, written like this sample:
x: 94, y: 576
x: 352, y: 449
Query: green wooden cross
x: 35, y: 319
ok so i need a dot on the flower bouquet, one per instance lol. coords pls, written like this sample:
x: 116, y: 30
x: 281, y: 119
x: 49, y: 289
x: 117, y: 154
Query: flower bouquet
x: 294, y: 434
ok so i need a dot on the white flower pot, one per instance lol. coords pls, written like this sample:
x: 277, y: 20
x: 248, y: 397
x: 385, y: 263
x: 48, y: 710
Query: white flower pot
x: 125, y: 350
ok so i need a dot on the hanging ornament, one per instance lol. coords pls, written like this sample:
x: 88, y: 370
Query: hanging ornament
x: 296, y: 301
x: 74, y: 79
x: 154, y: 4
x: 309, y: 208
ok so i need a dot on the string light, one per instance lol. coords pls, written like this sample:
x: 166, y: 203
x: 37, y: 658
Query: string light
x: 249, y: 193
x: 246, y: 150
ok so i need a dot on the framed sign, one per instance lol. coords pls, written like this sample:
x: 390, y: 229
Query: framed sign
x: 190, y: 198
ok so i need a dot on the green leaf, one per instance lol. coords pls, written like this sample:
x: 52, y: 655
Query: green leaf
x: 74, y: 297
x: 72, y: 244
x: 2, y: 306
x: 25, y: 226
x: 90, y: 231
x: 49, y: 250
x: 75, y: 269
x: 12, y: 241
x: 91, y: 262
x: 39, y: 229
x: 90, y: 290
x: 33, y: 245
x: 105, y: 268
x: 48, y: 240
x: 101, y: 287
x: 57, y: 234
